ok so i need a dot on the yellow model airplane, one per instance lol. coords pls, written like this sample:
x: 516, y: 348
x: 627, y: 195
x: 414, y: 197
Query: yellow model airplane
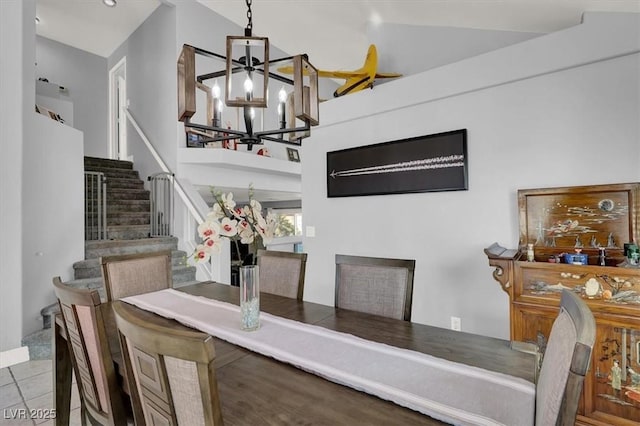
x: 357, y: 80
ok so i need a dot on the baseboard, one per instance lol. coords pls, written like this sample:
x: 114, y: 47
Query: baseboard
x: 14, y: 356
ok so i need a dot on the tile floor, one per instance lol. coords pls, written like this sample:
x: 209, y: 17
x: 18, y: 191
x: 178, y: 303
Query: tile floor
x: 28, y: 387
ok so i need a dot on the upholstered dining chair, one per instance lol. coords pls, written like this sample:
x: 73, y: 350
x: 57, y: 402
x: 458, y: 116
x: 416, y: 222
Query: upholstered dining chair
x: 172, y: 370
x: 282, y: 273
x: 565, y: 362
x: 130, y: 274
x: 101, y: 396
x: 374, y: 285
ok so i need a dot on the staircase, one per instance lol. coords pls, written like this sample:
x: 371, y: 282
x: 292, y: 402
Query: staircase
x: 128, y: 205
x: 128, y: 228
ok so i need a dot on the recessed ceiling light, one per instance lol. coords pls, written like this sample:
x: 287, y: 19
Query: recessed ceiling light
x: 375, y: 19
x: 110, y: 3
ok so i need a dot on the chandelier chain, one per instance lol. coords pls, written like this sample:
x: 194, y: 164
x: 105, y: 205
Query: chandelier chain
x: 249, y: 14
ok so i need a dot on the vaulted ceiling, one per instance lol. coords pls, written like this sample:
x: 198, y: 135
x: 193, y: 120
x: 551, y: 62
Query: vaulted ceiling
x: 334, y: 33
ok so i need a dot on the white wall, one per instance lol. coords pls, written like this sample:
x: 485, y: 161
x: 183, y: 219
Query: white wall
x: 151, y: 87
x: 16, y: 24
x: 557, y: 110
x: 53, y: 212
x: 40, y: 212
x: 410, y: 49
x: 49, y: 96
x: 85, y: 76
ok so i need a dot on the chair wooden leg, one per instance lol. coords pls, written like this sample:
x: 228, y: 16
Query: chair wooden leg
x: 83, y: 415
x: 62, y: 375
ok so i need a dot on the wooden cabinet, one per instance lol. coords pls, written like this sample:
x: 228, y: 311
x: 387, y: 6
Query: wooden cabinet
x: 557, y: 221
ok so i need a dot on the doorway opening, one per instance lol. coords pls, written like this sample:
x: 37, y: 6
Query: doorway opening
x: 117, y: 115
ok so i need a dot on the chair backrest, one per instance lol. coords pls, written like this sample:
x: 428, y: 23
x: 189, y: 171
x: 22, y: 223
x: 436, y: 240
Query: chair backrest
x: 375, y: 285
x: 565, y: 363
x: 172, y: 371
x: 130, y: 274
x: 282, y: 273
x: 100, y: 393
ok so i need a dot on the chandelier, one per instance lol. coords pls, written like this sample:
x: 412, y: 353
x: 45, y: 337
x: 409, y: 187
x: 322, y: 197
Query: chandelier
x: 236, y: 108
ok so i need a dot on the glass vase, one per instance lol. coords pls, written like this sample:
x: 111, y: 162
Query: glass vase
x: 249, y: 297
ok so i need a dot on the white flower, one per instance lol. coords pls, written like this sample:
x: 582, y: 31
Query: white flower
x: 245, y: 225
x: 255, y: 205
x: 245, y: 232
x: 259, y: 220
x: 209, y: 229
x: 270, y: 228
x: 216, y: 212
x: 213, y: 245
x: 228, y: 227
x: 227, y: 201
x: 202, y: 253
x: 238, y: 213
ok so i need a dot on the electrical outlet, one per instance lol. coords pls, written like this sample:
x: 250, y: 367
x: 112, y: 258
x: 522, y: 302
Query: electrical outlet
x: 455, y: 324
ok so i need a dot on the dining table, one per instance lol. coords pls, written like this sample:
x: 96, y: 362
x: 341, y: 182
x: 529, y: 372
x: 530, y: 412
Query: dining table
x: 256, y: 389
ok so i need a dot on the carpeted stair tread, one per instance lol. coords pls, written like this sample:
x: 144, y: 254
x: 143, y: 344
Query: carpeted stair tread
x: 128, y: 232
x: 107, y: 162
x: 124, y: 218
x: 180, y: 274
x: 90, y: 268
x: 114, y: 194
x: 39, y: 344
x: 142, y: 207
x: 90, y: 283
x: 131, y: 206
x: 99, y: 248
x: 124, y: 183
x: 113, y: 173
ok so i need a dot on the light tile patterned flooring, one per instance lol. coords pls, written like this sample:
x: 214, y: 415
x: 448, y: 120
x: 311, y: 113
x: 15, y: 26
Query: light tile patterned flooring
x: 28, y: 388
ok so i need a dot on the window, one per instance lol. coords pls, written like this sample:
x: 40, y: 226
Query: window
x: 289, y: 222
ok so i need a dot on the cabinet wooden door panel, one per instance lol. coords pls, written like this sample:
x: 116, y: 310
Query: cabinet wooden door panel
x: 615, y: 384
x: 533, y: 325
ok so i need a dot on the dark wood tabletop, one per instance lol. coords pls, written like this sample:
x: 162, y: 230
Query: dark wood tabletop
x: 258, y: 390
x: 471, y: 349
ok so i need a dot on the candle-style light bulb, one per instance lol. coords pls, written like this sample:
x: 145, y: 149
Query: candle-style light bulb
x: 217, y: 105
x: 282, y: 97
x: 248, y: 85
x: 215, y: 90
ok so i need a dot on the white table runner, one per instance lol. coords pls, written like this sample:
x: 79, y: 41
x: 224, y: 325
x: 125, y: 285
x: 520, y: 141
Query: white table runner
x: 445, y: 390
